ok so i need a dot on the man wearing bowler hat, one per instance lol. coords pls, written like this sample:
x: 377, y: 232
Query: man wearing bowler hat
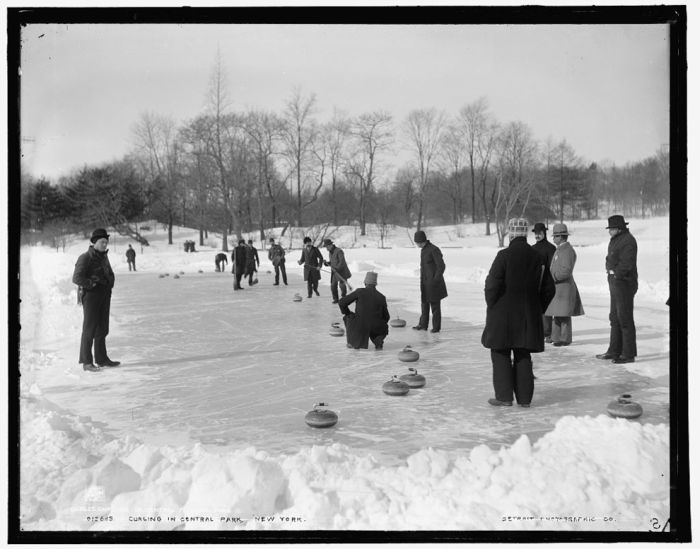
x: 621, y: 269
x: 95, y: 279
x: 546, y: 249
x: 432, y: 282
x: 339, y: 269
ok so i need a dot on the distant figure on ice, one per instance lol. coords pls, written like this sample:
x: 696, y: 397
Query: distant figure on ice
x: 276, y: 255
x: 339, y: 269
x: 517, y: 293
x: 369, y: 321
x: 252, y: 263
x: 131, y: 257
x: 95, y: 279
x: 546, y: 249
x: 621, y: 267
x: 312, y: 260
x: 220, y: 260
x: 432, y: 282
x: 238, y: 262
x: 567, y: 301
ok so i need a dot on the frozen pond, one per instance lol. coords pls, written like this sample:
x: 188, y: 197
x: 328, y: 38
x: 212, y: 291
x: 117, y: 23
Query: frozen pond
x: 202, y: 363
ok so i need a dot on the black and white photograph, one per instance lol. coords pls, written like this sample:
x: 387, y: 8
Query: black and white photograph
x: 337, y: 274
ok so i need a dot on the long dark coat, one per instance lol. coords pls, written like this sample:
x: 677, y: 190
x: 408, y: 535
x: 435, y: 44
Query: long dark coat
x: 239, y: 257
x: 517, y: 294
x: 622, y: 257
x: 312, y: 260
x: 369, y: 319
x: 432, y: 268
x: 252, y: 260
x: 93, y: 271
x: 567, y: 301
x: 546, y: 249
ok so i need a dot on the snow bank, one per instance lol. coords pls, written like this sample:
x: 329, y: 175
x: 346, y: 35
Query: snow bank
x: 588, y: 473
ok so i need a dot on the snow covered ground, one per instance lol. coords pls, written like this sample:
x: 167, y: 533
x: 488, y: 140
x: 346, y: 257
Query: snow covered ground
x: 202, y: 427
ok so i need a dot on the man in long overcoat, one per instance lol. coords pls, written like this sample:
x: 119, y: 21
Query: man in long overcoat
x: 95, y: 279
x: 239, y: 258
x: 432, y: 282
x: 339, y: 269
x: 369, y: 321
x: 252, y: 262
x: 621, y: 268
x: 312, y: 260
x: 546, y: 249
x: 517, y: 293
x: 567, y: 301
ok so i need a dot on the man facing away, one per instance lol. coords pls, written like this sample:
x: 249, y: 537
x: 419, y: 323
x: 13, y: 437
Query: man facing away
x: 339, y: 269
x: 517, y: 293
x: 369, y: 321
x: 276, y: 255
x: 432, y: 282
x: 621, y: 268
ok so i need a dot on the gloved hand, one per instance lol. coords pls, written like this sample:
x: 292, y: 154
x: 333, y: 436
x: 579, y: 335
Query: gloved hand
x: 326, y: 263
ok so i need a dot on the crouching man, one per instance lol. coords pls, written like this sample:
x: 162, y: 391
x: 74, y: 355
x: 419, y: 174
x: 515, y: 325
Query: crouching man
x: 371, y: 316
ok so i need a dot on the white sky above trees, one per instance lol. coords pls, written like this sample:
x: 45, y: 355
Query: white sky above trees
x: 603, y: 88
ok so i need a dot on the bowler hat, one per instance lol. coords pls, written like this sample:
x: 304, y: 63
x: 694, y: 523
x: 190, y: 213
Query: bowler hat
x: 327, y: 242
x: 371, y: 278
x: 419, y: 237
x: 97, y: 234
x: 307, y: 240
x: 616, y: 222
x: 560, y: 229
x: 539, y: 228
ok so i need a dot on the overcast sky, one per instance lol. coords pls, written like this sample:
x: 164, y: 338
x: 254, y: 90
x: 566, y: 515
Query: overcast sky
x: 603, y: 88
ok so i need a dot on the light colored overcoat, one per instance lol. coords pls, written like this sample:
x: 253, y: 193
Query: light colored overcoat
x: 567, y: 301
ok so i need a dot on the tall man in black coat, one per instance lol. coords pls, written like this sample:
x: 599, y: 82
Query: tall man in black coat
x: 239, y: 257
x: 517, y: 293
x: 432, y: 282
x: 621, y: 268
x: 369, y: 321
x: 95, y: 279
x: 546, y: 249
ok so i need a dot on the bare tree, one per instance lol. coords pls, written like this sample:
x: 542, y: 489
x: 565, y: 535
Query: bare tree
x: 299, y: 135
x: 331, y: 147
x: 476, y: 124
x: 159, y: 153
x: 265, y: 132
x: 453, y: 155
x: 486, y: 145
x: 517, y: 160
x: 372, y: 134
x: 424, y: 128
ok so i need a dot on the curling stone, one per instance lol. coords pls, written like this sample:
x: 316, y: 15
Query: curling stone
x: 182, y: 272
x: 624, y: 407
x: 408, y: 355
x: 397, y: 322
x: 176, y: 276
x: 336, y: 330
x: 321, y: 416
x: 296, y: 297
x: 413, y: 379
x: 395, y: 387
x: 161, y: 276
x: 200, y: 271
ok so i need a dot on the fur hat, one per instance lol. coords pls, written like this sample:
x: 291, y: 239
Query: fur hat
x: 97, y: 234
x: 419, y: 237
x: 518, y: 226
x: 560, y: 229
x: 371, y: 278
x: 616, y: 222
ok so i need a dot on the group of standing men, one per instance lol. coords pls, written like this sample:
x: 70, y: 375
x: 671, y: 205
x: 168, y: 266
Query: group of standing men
x: 531, y: 296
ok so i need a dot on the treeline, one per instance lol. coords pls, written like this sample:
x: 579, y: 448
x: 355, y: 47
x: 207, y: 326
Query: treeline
x: 232, y: 172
